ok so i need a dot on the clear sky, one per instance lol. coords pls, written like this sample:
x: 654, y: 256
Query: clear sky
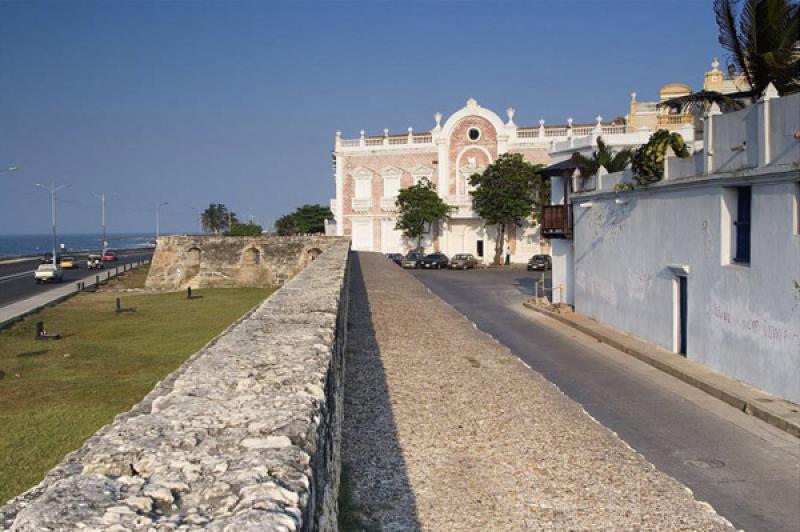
x: 239, y: 102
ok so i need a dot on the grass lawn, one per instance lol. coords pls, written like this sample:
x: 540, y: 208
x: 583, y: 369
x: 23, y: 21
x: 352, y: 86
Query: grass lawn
x: 55, y: 394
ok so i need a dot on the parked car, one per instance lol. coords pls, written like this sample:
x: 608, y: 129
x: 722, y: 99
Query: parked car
x: 540, y: 263
x: 463, y: 261
x: 411, y: 260
x: 94, y: 262
x: 434, y: 260
x: 397, y: 258
x: 68, y: 263
x: 47, y: 258
x: 47, y: 273
x: 109, y: 256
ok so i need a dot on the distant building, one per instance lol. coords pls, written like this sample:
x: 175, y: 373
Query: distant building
x: 706, y: 262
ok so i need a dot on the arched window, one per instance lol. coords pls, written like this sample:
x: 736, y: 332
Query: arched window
x: 252, y: 257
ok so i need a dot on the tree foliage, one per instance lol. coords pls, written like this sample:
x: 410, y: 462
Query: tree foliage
x: 418, y: 208
x: 308, y: 219
x: 612, y: 161
x: 217, y: 218
x: 648, y: 160
x: 764, y: 45
x: 246, y: 229
x: 506, y: 194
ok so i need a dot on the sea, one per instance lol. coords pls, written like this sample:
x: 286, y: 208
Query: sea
x: 32, y: 245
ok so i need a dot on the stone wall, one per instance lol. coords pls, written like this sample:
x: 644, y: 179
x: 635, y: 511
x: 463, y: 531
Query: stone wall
x: 206, y: 261
x: 244, y: 436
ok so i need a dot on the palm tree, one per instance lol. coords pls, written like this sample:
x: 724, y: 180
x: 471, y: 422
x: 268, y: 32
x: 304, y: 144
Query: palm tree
x: 764, y: 46
x: 217, y: 218
x: 610, y: 160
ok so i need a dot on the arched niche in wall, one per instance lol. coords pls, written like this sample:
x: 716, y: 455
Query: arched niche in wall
x: 191, y: 261
x: 313, y: 253
x: 251, y: 258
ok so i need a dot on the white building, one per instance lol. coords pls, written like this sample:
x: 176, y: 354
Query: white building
x: 706, y: 262
x: 369, y: 172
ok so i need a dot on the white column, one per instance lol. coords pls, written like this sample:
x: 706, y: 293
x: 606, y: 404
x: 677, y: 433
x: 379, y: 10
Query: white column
x: 339, y: 214
x: 708, y: 138
x: 764, y: 134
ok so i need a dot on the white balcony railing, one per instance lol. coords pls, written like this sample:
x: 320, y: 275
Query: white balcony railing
x: 360, y: 204
x: 386, y: 141
x: 388, y: 204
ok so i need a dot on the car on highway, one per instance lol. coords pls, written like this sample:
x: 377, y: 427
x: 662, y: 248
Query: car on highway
x: 94, y: 262
x: 411, y: 260
x: 68, y: 263
x: 47, y: 273
x: 540, y: 263
x: 397, y: 258
x: 463, y: 261
x: 434, y: 261
x: 110, y: 256
x: 47, y: 258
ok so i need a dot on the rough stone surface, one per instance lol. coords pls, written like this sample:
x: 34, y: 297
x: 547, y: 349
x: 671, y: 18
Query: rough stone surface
x: 445, y: 429
x: 244, y: 436
x: 215, y: 261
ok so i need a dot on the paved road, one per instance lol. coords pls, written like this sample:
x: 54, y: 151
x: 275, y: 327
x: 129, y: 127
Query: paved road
x: 748, y: 470
x: 15, y: 289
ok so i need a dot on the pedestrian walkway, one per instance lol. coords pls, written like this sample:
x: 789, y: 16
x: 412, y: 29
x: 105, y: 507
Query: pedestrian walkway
x: 19, y: 309
x: 445, y: 429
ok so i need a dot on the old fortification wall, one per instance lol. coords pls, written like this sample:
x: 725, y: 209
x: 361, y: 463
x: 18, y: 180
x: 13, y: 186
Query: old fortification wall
x: 244, y: 436
x: 205, y: 261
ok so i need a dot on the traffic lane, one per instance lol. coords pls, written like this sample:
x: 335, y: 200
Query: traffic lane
x: 22, y: 287
x: 748, y: 470
x: 17, y: 267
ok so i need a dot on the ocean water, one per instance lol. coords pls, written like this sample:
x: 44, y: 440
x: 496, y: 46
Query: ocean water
x: 24, y: 245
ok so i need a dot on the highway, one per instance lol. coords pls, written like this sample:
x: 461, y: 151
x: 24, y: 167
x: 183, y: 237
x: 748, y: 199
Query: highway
x: 16, y: 277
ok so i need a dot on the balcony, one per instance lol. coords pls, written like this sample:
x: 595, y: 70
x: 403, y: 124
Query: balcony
x: 557, y: 221
x: 675, y: 119
x: 361, y: 204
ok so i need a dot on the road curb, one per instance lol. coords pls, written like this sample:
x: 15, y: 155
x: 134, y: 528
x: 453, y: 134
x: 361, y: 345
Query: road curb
x: 758, y: 404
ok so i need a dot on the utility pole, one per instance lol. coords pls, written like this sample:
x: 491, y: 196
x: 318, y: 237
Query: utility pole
x: 102, y: 197
x: 53, y: 189
x: 158, y: 216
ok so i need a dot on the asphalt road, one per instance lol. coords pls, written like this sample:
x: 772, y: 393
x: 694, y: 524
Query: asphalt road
x: 18, y: 288
x: 747, y: 470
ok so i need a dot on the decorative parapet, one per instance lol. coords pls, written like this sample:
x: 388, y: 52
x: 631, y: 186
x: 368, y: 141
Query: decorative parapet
x: 244, y: 436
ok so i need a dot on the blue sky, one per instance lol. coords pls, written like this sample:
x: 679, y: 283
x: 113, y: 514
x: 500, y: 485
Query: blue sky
x: 238, y: 102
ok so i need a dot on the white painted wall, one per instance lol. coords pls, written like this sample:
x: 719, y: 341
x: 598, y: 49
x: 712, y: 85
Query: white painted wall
x: 744, y: 321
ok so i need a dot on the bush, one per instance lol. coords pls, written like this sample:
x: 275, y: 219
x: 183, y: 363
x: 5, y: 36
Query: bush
x: 248, y: 229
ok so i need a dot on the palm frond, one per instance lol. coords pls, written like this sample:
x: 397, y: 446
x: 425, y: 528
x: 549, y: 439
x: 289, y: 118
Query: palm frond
x: 728, y: 35
x: 698, y: 103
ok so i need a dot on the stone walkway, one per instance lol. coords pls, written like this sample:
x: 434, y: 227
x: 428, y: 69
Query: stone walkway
x: 446, y: 430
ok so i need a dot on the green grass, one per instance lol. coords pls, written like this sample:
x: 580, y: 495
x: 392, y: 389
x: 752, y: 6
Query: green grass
x: 55, y: 394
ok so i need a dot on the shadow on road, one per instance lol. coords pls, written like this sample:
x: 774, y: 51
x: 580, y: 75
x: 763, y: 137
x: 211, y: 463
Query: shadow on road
x: 375, y: 491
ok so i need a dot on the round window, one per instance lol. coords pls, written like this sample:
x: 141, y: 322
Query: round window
x: 474, y: 134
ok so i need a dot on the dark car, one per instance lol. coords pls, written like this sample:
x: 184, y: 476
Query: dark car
x: 109, y: 256
x: 397, y: 258
x: 540, y: 263
x: 47, y: 258
x: 463, y: 261
x: 411, y: 260
x: 434, y: 260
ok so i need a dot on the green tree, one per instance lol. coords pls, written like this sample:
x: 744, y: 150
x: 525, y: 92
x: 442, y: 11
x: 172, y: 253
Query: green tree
x: 612, y: 161
x: 308, y: 219
x: 506, y: 194
x: 764, y: 45
x: 217, y: 218
x: 418, y: 208
x: 246, y: 229
x: 648, y: 160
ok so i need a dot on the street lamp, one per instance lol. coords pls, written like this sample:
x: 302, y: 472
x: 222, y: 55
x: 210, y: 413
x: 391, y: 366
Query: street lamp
x: 102, y: 197
x: 158, y: 216
x: 53, y: 189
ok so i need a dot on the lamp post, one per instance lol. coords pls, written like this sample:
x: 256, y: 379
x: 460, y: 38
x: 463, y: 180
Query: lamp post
x: 53, y: 189
x: 158, y: 216
x: 102, y: 197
